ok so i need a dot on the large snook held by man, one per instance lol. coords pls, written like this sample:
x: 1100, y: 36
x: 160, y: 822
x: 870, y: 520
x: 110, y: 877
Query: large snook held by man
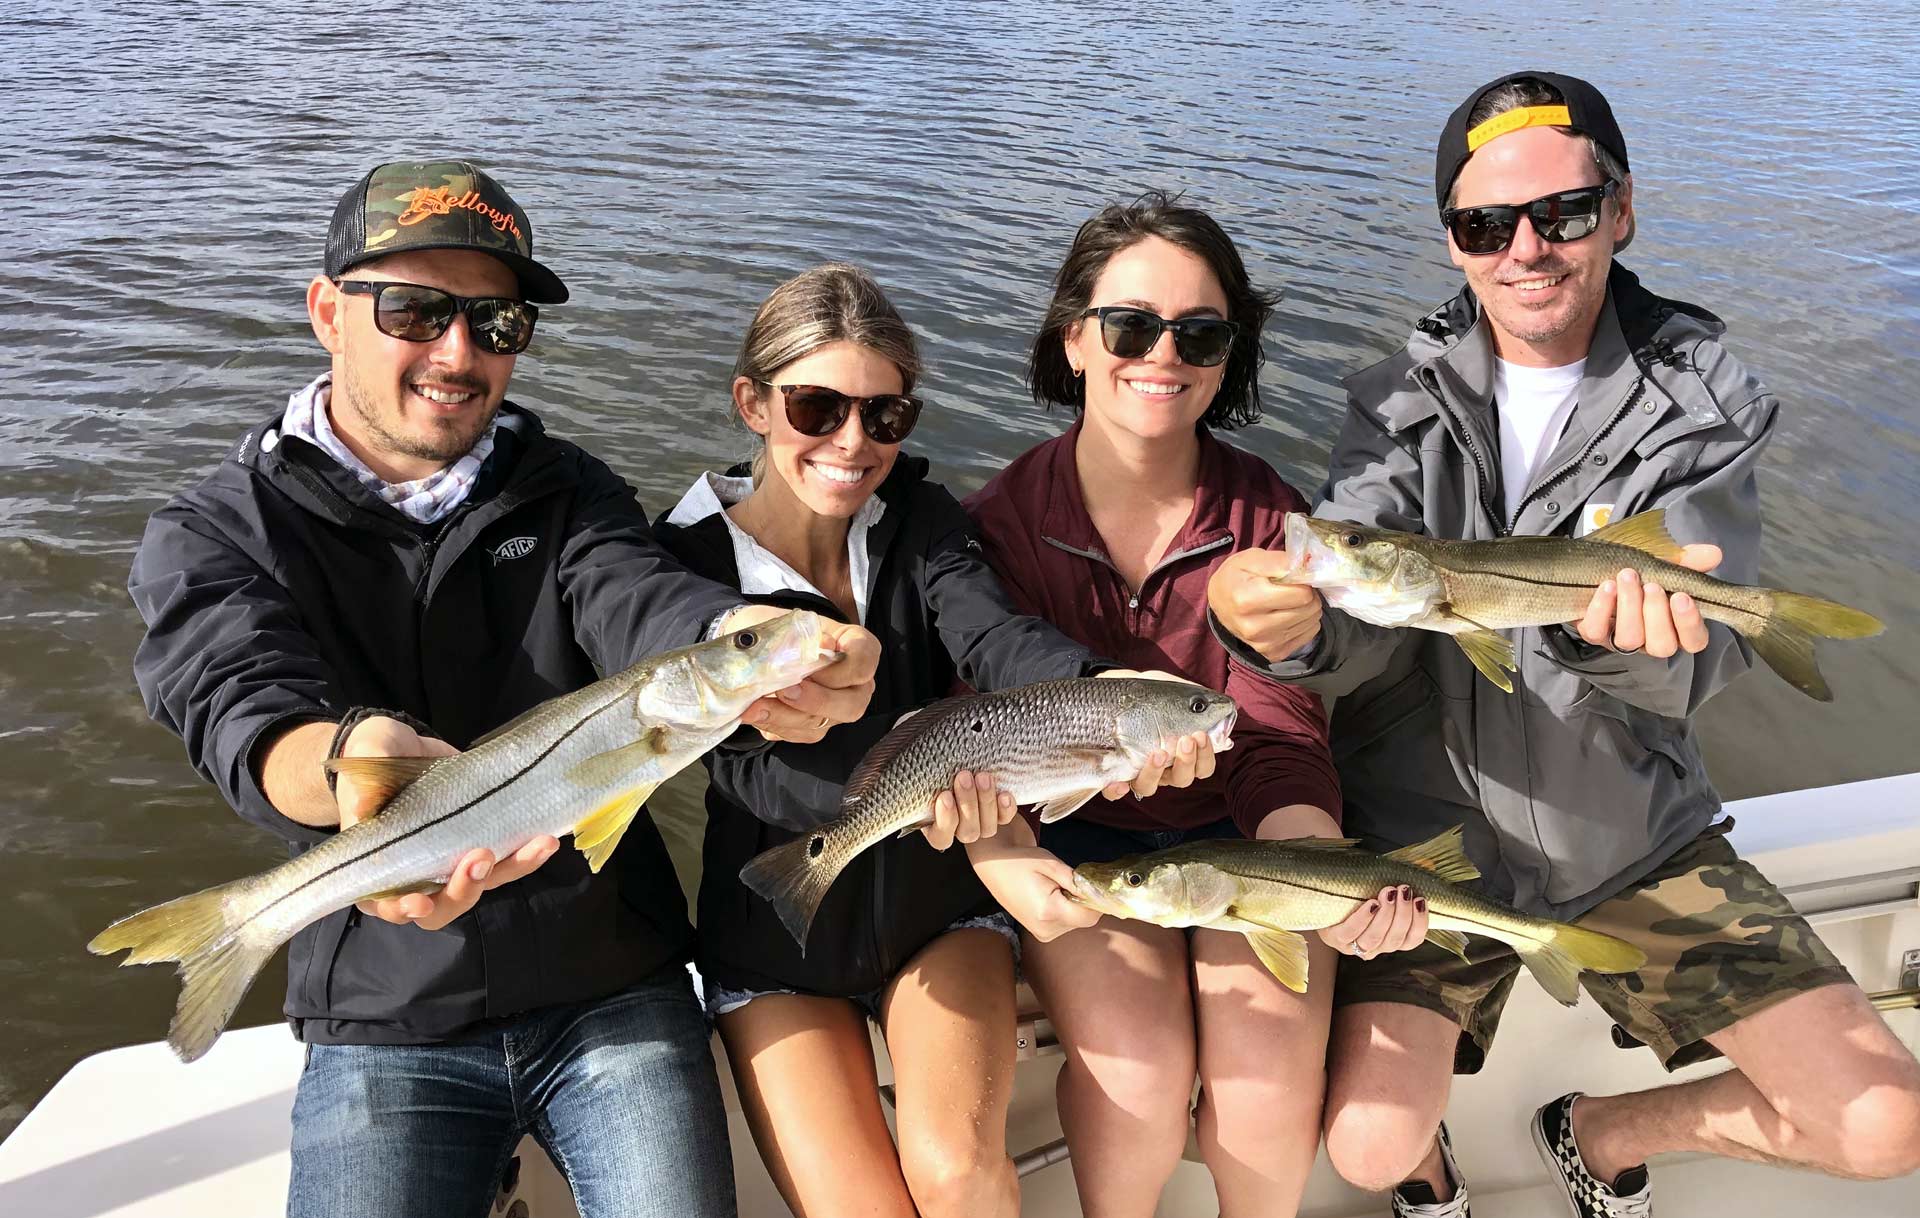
x: 583, y: 763
x: 1470, y: 589
x: 1053, y: 743
x: 1270, y: 891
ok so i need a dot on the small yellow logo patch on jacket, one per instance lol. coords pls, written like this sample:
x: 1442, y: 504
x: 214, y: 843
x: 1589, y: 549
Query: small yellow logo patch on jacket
x: 1596, y: 516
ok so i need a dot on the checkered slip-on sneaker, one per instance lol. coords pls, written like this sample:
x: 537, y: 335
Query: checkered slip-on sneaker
x: 1629, y: 1196
x: 1416, y: 1199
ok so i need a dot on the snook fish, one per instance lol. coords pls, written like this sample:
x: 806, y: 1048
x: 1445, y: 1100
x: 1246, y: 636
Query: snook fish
x: 1270, y: 891
x: 1470, y: 589
x: 1054, y: 743
x: 582, y: 764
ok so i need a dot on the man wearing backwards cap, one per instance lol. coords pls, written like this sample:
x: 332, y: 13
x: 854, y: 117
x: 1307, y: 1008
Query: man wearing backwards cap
x: 1552, y: 395
x: 397, y: 563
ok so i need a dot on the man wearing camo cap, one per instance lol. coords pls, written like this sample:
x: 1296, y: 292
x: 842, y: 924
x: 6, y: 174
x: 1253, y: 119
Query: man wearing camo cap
x: 1552, y: 395
x: 395, y: 564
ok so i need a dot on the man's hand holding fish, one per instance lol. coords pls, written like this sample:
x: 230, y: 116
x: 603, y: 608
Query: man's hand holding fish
x: 1629, y: 613
x: 477, y: 872
x: 1246, y: 596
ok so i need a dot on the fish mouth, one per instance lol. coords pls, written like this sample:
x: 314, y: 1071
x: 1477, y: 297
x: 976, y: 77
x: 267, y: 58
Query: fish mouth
x: 1220, y: 735
x: 1300, y: 542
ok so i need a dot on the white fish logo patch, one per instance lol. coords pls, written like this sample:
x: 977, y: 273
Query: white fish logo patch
x: 1595, y: 517
x: 514, y: 547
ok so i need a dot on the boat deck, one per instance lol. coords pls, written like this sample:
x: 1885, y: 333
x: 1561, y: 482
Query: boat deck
x: 133, y: 1132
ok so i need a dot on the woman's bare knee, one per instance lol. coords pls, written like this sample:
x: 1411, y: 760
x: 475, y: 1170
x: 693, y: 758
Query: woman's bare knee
x: 959, y: 1176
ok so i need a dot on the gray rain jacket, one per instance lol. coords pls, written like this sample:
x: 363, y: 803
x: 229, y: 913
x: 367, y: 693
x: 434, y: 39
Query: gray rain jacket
x: 1588, y: 775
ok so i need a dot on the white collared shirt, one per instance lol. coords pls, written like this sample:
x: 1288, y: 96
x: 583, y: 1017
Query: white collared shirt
x: 761, y: 570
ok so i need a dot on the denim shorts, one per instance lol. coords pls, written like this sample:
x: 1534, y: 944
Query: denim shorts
x: 721, y: 999
x: 1077, y: 840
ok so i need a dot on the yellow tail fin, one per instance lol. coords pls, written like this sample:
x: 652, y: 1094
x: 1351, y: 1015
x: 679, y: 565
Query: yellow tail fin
x: 1563, y: 952
x: 201, y: 931
x: 1793, y: 623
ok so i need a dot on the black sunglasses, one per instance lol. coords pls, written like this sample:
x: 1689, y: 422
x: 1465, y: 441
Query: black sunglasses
x: 1130, y: 333
x: 420, y: 314
x: 1567, y: 216
x: 815, y: 410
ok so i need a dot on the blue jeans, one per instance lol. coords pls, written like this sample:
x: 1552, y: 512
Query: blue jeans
x: 621, y: 1093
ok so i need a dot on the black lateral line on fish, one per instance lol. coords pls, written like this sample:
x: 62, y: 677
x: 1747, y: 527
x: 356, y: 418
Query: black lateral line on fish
x: 489, y: 793
x: 1556, y: 583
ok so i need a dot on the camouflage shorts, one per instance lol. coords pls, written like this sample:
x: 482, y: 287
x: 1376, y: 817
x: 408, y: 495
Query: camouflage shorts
x: 1721, y: 944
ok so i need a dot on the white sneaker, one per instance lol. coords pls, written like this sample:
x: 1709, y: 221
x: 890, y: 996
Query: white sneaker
x: 1416, y: 1198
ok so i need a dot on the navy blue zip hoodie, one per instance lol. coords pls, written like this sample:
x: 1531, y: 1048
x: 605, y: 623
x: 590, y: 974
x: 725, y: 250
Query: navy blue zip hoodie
x: 280, y: 590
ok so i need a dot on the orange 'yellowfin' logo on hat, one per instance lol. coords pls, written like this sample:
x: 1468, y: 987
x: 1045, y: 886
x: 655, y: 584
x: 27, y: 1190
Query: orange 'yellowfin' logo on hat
x: 424, y: 203
x: 1514, y: 120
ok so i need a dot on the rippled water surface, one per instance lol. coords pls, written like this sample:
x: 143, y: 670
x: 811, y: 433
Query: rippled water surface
x: 169, y: 170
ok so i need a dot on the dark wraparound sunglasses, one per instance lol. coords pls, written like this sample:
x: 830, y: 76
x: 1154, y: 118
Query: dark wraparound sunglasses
x: 1130, y: 333
x: 1567, y: 216
x: 420, y: 314
x: 815, y: 410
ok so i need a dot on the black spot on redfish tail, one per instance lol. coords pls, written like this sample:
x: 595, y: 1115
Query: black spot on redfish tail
x: 794, y: 879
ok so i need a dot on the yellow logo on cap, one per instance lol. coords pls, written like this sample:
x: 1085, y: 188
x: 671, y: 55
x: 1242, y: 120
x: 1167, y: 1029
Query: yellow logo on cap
x: 1514, y: 120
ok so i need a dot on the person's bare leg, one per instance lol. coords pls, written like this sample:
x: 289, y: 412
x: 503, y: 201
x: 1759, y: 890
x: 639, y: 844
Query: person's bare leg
x: 804, y: 1070
x: 1819, y: 1081
x: 1117, y: 995
x: 1263, y: 1076
x: 949, y: 1022
x: 1390, y: 1069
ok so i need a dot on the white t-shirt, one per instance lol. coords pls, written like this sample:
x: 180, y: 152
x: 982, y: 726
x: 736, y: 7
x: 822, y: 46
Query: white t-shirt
x: 1533, y: 405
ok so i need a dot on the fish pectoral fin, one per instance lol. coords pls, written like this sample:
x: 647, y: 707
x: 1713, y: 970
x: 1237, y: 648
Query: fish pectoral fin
x: 382, y: 777
x: 1248, y: 923
x: 616, y: 764
x: 1451, y: 940
x: 1066, y: 805
x: 1444, y: 855
x: 1490, y: 654
x: 1284, y: 952
x: 1644, y: 531
x: 599, y: 832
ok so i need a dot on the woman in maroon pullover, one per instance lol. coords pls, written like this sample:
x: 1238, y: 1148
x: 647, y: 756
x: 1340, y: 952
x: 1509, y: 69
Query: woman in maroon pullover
x: 1110, y: 532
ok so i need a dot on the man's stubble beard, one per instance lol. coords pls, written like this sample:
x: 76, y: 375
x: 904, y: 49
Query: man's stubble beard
x: 446, y: 445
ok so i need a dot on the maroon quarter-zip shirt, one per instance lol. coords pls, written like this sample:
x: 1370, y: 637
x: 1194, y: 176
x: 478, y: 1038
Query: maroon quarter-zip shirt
x: 1040, y: 540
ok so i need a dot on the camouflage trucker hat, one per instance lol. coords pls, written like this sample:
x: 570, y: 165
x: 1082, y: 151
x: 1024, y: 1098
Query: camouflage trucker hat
x: 436, y: 205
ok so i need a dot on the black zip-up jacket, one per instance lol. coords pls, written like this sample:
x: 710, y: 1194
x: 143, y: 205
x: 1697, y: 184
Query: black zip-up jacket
x: 938, y: 611
x: 281, y: 590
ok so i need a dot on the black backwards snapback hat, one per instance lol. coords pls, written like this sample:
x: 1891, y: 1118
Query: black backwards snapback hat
x: 1582, y: 108
x: 436, y: 205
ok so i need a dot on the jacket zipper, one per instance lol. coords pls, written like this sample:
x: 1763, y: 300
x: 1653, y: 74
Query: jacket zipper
x: 1482, y: 477
x: 1166, y: 560
x: 1560, y: 475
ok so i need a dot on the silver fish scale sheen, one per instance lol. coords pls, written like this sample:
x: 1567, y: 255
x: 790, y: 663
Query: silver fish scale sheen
x: 1040, y: 742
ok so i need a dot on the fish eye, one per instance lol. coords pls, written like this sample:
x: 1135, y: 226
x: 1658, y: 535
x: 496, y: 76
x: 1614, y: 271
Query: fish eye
x: 745, y: 639
x: 1134, y: 879
x: 1198, y: 706
x: 1352, y: 539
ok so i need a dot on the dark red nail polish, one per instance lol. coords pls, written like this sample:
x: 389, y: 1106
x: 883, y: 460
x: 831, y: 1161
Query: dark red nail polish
x: 1420, y: 904
x: 1373, y: 907
x: 1390, y: 895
